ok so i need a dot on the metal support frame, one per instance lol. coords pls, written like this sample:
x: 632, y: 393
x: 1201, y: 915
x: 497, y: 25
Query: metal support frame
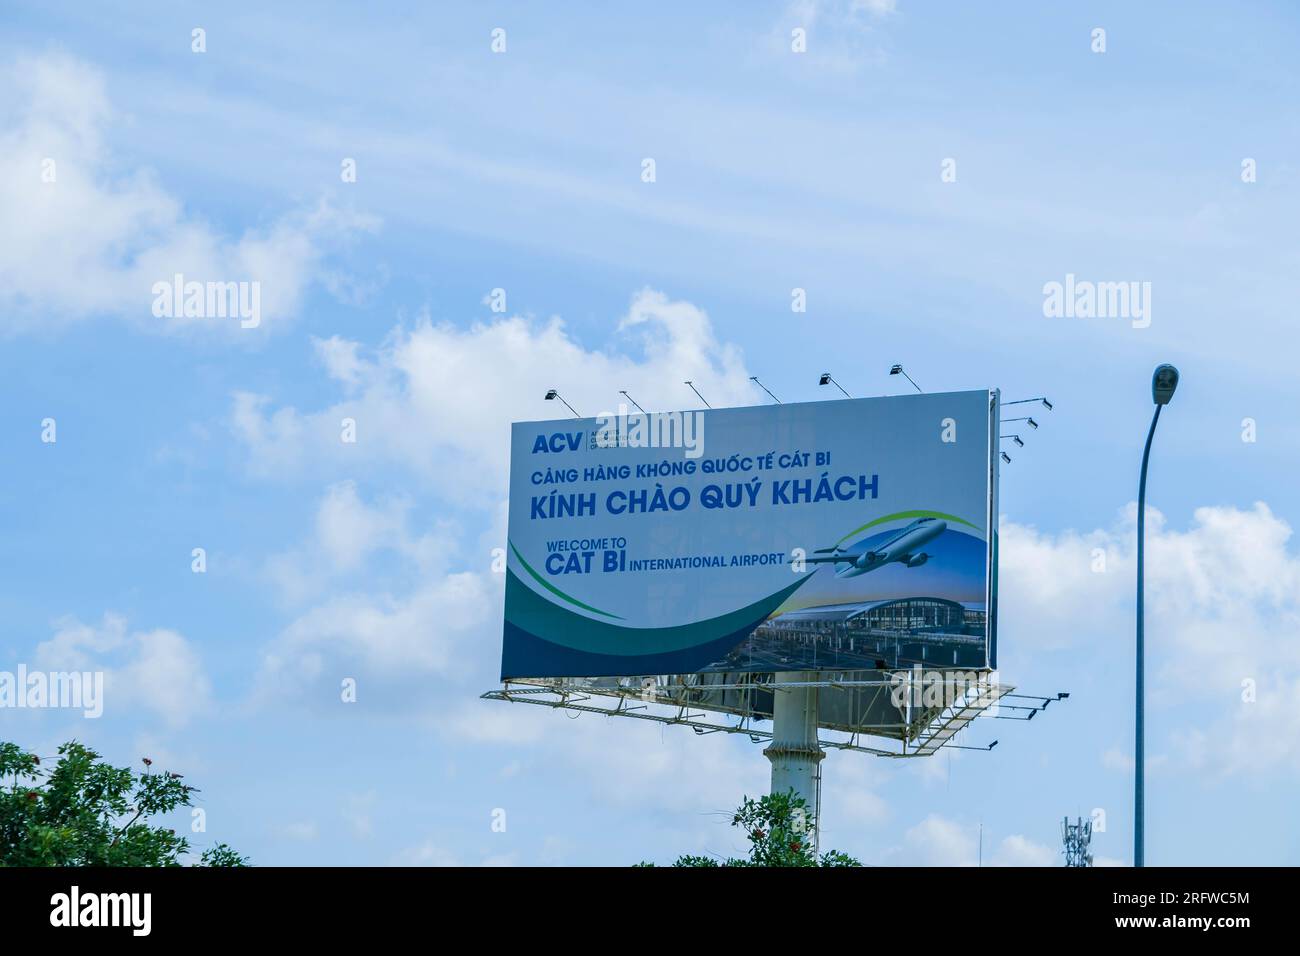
x: 679, y: 700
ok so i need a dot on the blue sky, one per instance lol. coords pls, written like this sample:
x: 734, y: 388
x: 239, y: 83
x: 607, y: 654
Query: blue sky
x: 522, y: 171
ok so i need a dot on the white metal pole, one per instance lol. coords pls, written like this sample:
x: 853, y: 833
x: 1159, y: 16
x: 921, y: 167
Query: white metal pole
x: 794, y: 752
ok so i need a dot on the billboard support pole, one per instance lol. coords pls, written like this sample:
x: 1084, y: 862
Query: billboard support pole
x: 795, y: 752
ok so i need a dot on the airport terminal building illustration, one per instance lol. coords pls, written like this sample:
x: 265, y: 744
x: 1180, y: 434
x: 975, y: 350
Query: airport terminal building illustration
x: 889, y: 634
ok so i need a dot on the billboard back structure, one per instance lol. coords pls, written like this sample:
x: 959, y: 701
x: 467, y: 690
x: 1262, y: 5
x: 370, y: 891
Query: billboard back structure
x: 849, y: 535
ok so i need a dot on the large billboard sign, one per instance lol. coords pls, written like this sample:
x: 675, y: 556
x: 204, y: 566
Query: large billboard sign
x: 858, y: 534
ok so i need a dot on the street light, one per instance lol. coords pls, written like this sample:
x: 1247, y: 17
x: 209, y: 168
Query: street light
x: 827, y: 380
x: 1163, y: 382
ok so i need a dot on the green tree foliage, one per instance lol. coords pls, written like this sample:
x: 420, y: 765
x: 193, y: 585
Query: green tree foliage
x: 779, y: 828
x: 85, y: 812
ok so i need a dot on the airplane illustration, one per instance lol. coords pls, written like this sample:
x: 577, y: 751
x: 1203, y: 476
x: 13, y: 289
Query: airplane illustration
x: 904, y: 548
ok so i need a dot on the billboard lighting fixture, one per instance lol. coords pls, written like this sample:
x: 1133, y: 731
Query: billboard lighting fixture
x: 898, y: 370
x: 1030, y: 421
x: 624, y: 393
x: 1021, y: 401
x: 698, y: 395
x: 988, y: 748
x: 754, y: 379
x: 1016, y: 439
x: 826, y: 379
x: 552, y: 394
x: 1006, y: 458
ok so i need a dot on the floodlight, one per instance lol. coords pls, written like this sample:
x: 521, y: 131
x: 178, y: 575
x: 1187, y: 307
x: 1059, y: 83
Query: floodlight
x: 1022, y: 401
x: 899, y: 370
x: 552, y: 394
x: 826, y: 379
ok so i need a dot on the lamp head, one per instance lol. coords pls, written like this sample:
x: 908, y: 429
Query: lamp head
x: 825, y: 379
x: 895, y: 369
x: 1032, y: 423
x: 550, y: 394
x: 1163, y: 383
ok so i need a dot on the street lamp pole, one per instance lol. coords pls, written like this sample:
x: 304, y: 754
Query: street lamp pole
x: 1163, y: 383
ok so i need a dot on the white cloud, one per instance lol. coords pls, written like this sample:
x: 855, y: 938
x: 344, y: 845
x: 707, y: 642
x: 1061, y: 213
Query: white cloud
x: 1116, y: 759
x: 939, y: 841
x: 840, y: 35
x: 358, y: 811
x: 428, y: 853
x: 304, y: 831
x: 495, y: 722
x: 429, y: 632
x: 438, y: 394
x: 95, y: 239
x: 1021, y: 851
x: 158, y: 670
x: 1220, y: 597
x: 431, y: 853
x: 430, y: 623
x: 349, y: 530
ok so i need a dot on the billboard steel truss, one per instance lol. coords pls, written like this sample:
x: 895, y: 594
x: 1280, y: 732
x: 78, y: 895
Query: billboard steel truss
x: 693, y: 701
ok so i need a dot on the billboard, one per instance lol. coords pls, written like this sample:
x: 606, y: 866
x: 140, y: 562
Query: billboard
x: 856, y: 534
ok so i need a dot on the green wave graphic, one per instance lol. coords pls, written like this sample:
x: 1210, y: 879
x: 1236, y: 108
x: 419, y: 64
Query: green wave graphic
x: 556, y: 591
x: 898, y: 515
x: 532, y: 612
